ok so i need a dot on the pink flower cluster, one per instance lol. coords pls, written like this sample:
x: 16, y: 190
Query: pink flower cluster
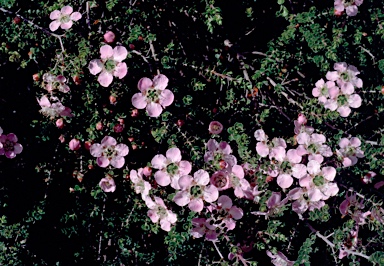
x: 337, y: 94
x: 52, y: 82
x: 350, y: 6
x: 219, y: 154
x: 63, y: 18
x: 349, y: 151
x: 109, y: 65
x: 9, y: 146
x: 303, y: 163
x: 109, y: 152
x: 159, y: 212
x: 153, y: 95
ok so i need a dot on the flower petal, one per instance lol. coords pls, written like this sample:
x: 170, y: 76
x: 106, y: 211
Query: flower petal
x: 54, y: 25
x: 106, y: 51
x: 66, y: 25
x: 154, y: 109
x: 66, y: 10
x: 55, y: 14
x: 105, y: 79
x: 119, y: 53
x: 120, y: 70
x: 166, y: 98
x: 95, y: 66
x: 75, y: 16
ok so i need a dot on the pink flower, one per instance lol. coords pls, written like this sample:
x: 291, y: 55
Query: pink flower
x: 9, y: 146
x: 74, y: 144
x: 63, y: 18
x: 170, y: 167
x: 220, y: 154
x: 159, y: 212
x: 52, y: 82
x: 350, y: 6
x: 109, y: 65
x: 345, y: 76
x: 215, y: 127
x: 350, y: 151
x: 53, y: 110
x: 109, y: 37
x: 194, y: 190
x: 109, y: 153
x: 153, y: 96
x: 107, y: 184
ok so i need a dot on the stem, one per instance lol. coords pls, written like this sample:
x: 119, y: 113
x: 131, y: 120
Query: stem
x: 217, y: 249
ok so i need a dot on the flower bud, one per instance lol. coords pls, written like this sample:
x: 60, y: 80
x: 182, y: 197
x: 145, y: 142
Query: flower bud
x: 109, y: 37
x: 35, y: 77
x: 99, y: 126
x: 60, y: 123
x: 74, y: 144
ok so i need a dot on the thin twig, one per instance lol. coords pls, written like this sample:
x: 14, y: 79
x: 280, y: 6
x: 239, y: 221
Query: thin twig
x: 217, y: 249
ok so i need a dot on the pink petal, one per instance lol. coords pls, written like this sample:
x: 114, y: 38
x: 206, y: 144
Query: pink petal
x: 351, y: 10
x: 313, y: 167
x: 119, y: 53
x: 54, y: 25
x: 344, y: 111
x: 284, y: 180
x: 153, y: 216
x: 165, y: 225
x: 55, y: 14
x: 315, y: 194
x: 160, y: 82
x: 120, y: 70
x: 332, y: 75
x: 225, y: 202
x: 102, y: 161
x: 329, y: 173
x: 154, y: 109
x: 17, y: 148
x: 344, y: 142
x: 347, y: 88
x: 174, y: 155
x: 117, y: 161
x: 75, y: 16
x: 105, y: 79
x: 354, y: 101
x: 108, y: 141
x: 211, y: 193
x: 44, y: 102
x: 295, y: 193
x: 159, y: 161
x: 139, y: 101
x: 166, y: 98
x: 262, y: 149
x: 96, y: 150
x: 66, y: 10
x: 185, y: 167
x: 299, y: 170
x: 185, y: 182
x: 95, y: 66
x: 106, y: 51
x: 182, y: 198
x: 196, y: 205
x: 340, y: 66
x: 122, y: 149
x: 66, y: 25
x: 238, y: 171
x: 355, y: 142
x: 293, y: 157
x: 109, y: 37
x: 201, y: 177
x: 144, y: 84
x: 12, y: 137
x: 162, y: 178
x: 236, y: 212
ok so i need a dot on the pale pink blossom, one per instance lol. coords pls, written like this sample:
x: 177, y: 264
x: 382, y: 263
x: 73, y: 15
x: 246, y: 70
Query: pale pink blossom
x: 159, y: 212
x: 107, y: 184
x: 110, y: 65
x: 195, y: 190
x: 63, y: 18
x: 109, y: 152
x: 215, y: 127
x: 170, y: 168
x: 325, y: 90
x: 53, y: 110
x: 219, y: 154
x: 346, y: 77
x: 74, y: 144
x: 52, y: 82
x: 203, y: 226
x: 349, y: 151
x: 153, y: 95
x: 9, y: 145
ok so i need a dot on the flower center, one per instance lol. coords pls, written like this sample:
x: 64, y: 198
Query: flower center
x: 342, y: 100
x: 109, y: 152
x: 65, y: 19
x: 8, y: 145
x: 324, y: 91
x: 318, y: 181
x: 110, y: 65
x: 153, y: 95
x: 196, y: 192
x: 172, y: 169
x: 220, y: 180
